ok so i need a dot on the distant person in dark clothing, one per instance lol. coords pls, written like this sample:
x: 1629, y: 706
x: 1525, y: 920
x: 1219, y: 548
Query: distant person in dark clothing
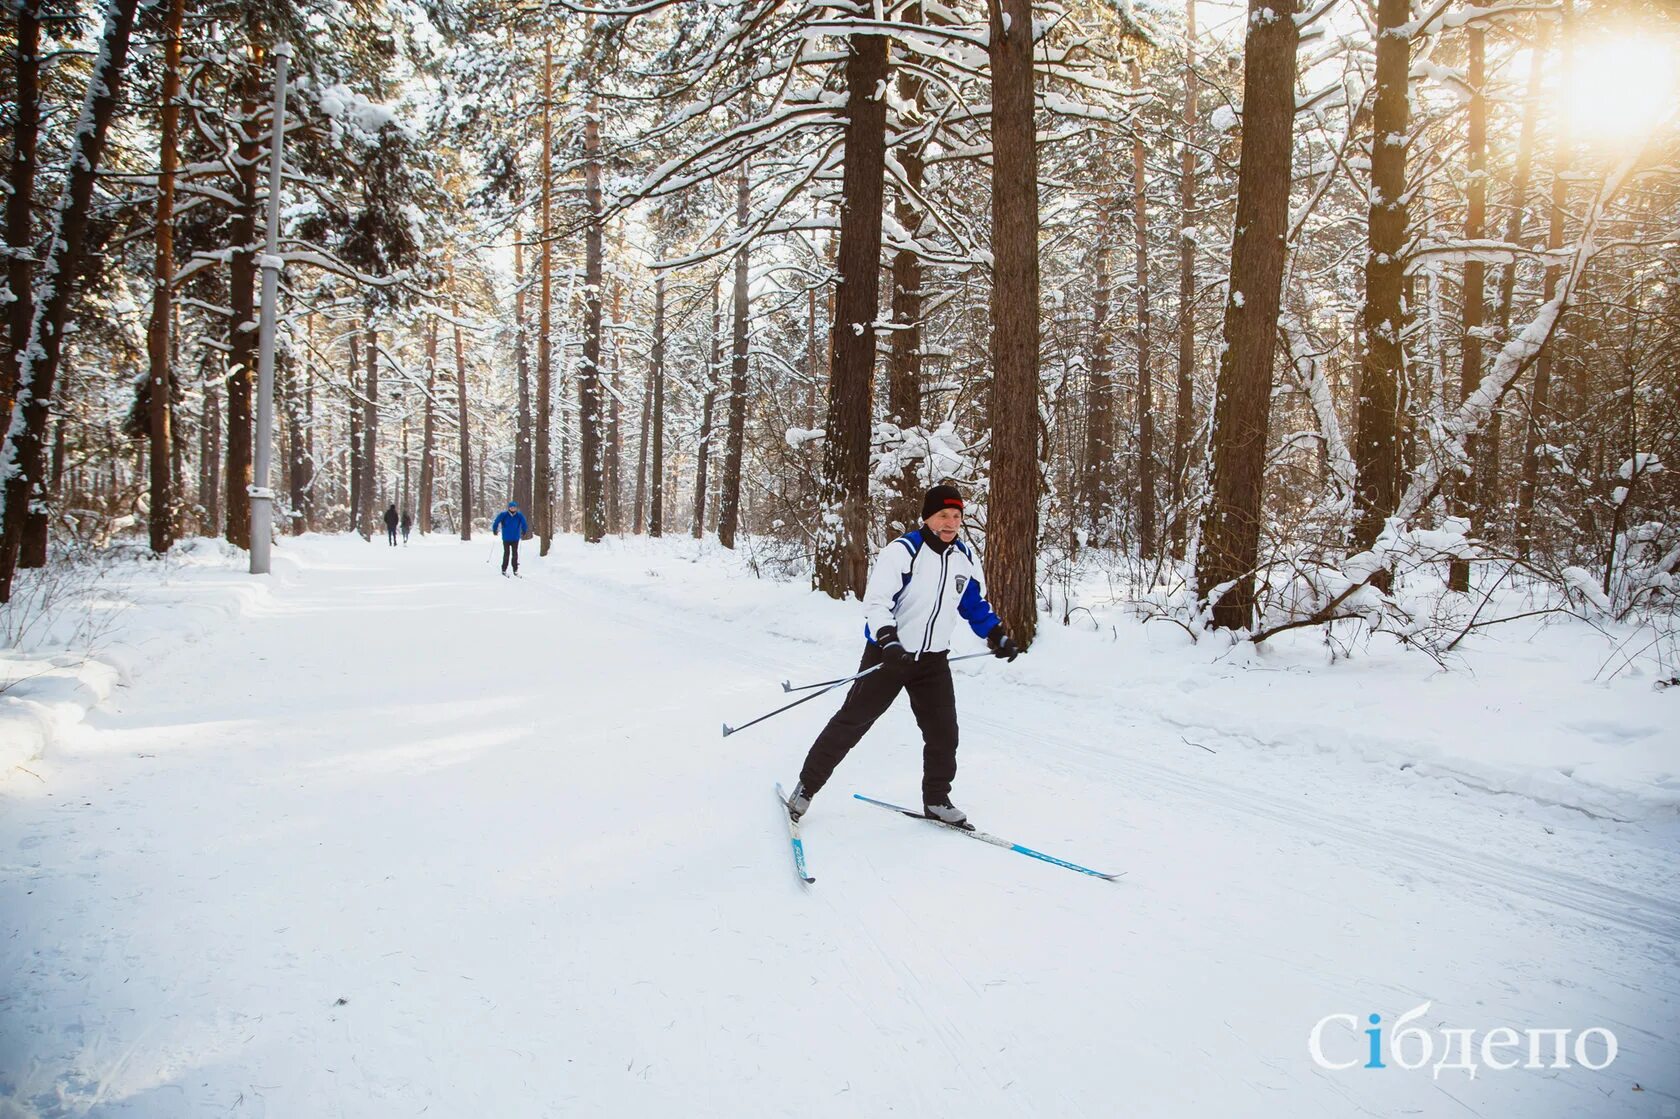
x: 512, y: 525
x: 391, y: 525
x: 407, y: 523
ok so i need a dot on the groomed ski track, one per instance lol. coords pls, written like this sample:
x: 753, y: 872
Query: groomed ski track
x: 405, y: 836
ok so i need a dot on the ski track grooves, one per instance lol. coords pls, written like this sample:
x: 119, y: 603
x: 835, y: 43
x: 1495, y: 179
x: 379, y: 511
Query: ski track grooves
x: 1429, y: 857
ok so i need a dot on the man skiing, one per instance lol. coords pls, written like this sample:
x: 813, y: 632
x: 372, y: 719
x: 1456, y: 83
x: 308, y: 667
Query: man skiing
x: 511, y: 523
x: 391, y: 525
x: 922, y: 582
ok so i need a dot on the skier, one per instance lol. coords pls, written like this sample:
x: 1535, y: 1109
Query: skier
x: 921, y: 582
x: 511, y: 523
x: 391, y: 525
x: 407, y: 523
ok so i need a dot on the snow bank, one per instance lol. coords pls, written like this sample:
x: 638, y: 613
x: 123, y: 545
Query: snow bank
x: 104, y: 623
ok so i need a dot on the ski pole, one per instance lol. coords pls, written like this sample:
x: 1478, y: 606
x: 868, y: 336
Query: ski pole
x: 729, y: 730
x: 787, y: 687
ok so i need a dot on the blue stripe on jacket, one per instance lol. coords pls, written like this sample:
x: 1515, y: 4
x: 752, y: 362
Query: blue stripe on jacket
x: 976, y: 611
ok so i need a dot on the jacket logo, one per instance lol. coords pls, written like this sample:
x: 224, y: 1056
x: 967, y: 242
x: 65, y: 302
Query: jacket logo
x: 962, y: 581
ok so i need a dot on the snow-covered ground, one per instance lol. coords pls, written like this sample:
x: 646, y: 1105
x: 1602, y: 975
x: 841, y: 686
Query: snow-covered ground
x: 388, y: 834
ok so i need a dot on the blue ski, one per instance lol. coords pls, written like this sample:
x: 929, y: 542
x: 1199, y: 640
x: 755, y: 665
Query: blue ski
x: 984, y: 838
x: 793, y: 835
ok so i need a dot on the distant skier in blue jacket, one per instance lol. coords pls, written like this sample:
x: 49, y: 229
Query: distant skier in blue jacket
x: 920, y: 585
x: 511, y: 523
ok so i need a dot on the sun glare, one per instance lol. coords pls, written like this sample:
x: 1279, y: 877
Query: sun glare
x: 1621, y: 88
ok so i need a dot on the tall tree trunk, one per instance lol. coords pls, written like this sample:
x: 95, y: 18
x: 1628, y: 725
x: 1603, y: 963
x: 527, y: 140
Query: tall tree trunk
x: 461, y: 419
x: 612, y: 448
x: 904, y: 362
x: 522, y: 365
x: 842, y: 559
x: 639, y: 516
x: 656, y: 504
x: 302, y: 468
x: 368, y: 511
x: 1184, y: 406
x: 1376, y: 450
x: 242, y: 333
x: 1230, y: 533
x: 353, y: 405
x: 1539, y: 403
x: 1145, y: 377
x: 158, y: 349
x: 428, y: 428
x: 20, y: 202
x: 702, y: 453
x: 1098, y: 477
x: 210, y: 453
x: 729, y: 512
x: 1470, y: 363
x: 1012, y: 506
x: 542, y: 482
x: 589, y: 373
x: 23, y: 454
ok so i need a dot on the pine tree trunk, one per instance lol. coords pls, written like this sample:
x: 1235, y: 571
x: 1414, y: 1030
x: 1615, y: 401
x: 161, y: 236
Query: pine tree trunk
x: 242, y: 332
x: 20, y: 201
x: 522, y: 466
x: 367, y: 513
x: 1145, y: 377
x: 904, y: 362
x: 589, y: 373
x: 210, y: 455
x: 1184, y: 406
x: 842, y: 559
x: 1230, y: 533
x: 428, y: 430
x: 729, y: 511
x: 656, y: 503
x: 542, y: 481
x: 461, y: 419
x: 702, y: 453
x: 1470, y: 364
x: 1376, y: 448
x: 612, y: 450
x: 1012, y: 505
x: 1098, y: 478
x: 23, y: 455
x: 353, y: 406
x: 158, y: 349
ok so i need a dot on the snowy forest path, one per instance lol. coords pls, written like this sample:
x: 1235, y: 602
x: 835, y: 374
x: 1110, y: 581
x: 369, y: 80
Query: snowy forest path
x: 408, y: 835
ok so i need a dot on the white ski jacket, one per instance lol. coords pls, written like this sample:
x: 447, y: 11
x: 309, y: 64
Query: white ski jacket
x: 923, y: 592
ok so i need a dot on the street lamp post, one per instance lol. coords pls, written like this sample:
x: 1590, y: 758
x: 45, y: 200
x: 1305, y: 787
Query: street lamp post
x: 262, y: 498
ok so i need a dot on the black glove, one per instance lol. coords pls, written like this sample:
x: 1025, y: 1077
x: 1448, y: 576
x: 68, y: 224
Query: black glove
x: 894, y: 656
x: 1002, y: 645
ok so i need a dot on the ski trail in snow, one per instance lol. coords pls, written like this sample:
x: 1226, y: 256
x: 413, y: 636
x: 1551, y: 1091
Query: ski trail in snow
x: 1437, y: 857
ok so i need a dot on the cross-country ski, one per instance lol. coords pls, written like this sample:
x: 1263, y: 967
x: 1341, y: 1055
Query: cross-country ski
x: 969, y: 830
x: 797, y: 842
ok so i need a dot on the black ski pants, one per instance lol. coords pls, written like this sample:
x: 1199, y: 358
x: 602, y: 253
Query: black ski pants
x: 510, y: 550
x: 932, y: 699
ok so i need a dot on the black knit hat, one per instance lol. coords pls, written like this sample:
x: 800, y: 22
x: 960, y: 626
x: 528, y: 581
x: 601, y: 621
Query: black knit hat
x: 940, y: 498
